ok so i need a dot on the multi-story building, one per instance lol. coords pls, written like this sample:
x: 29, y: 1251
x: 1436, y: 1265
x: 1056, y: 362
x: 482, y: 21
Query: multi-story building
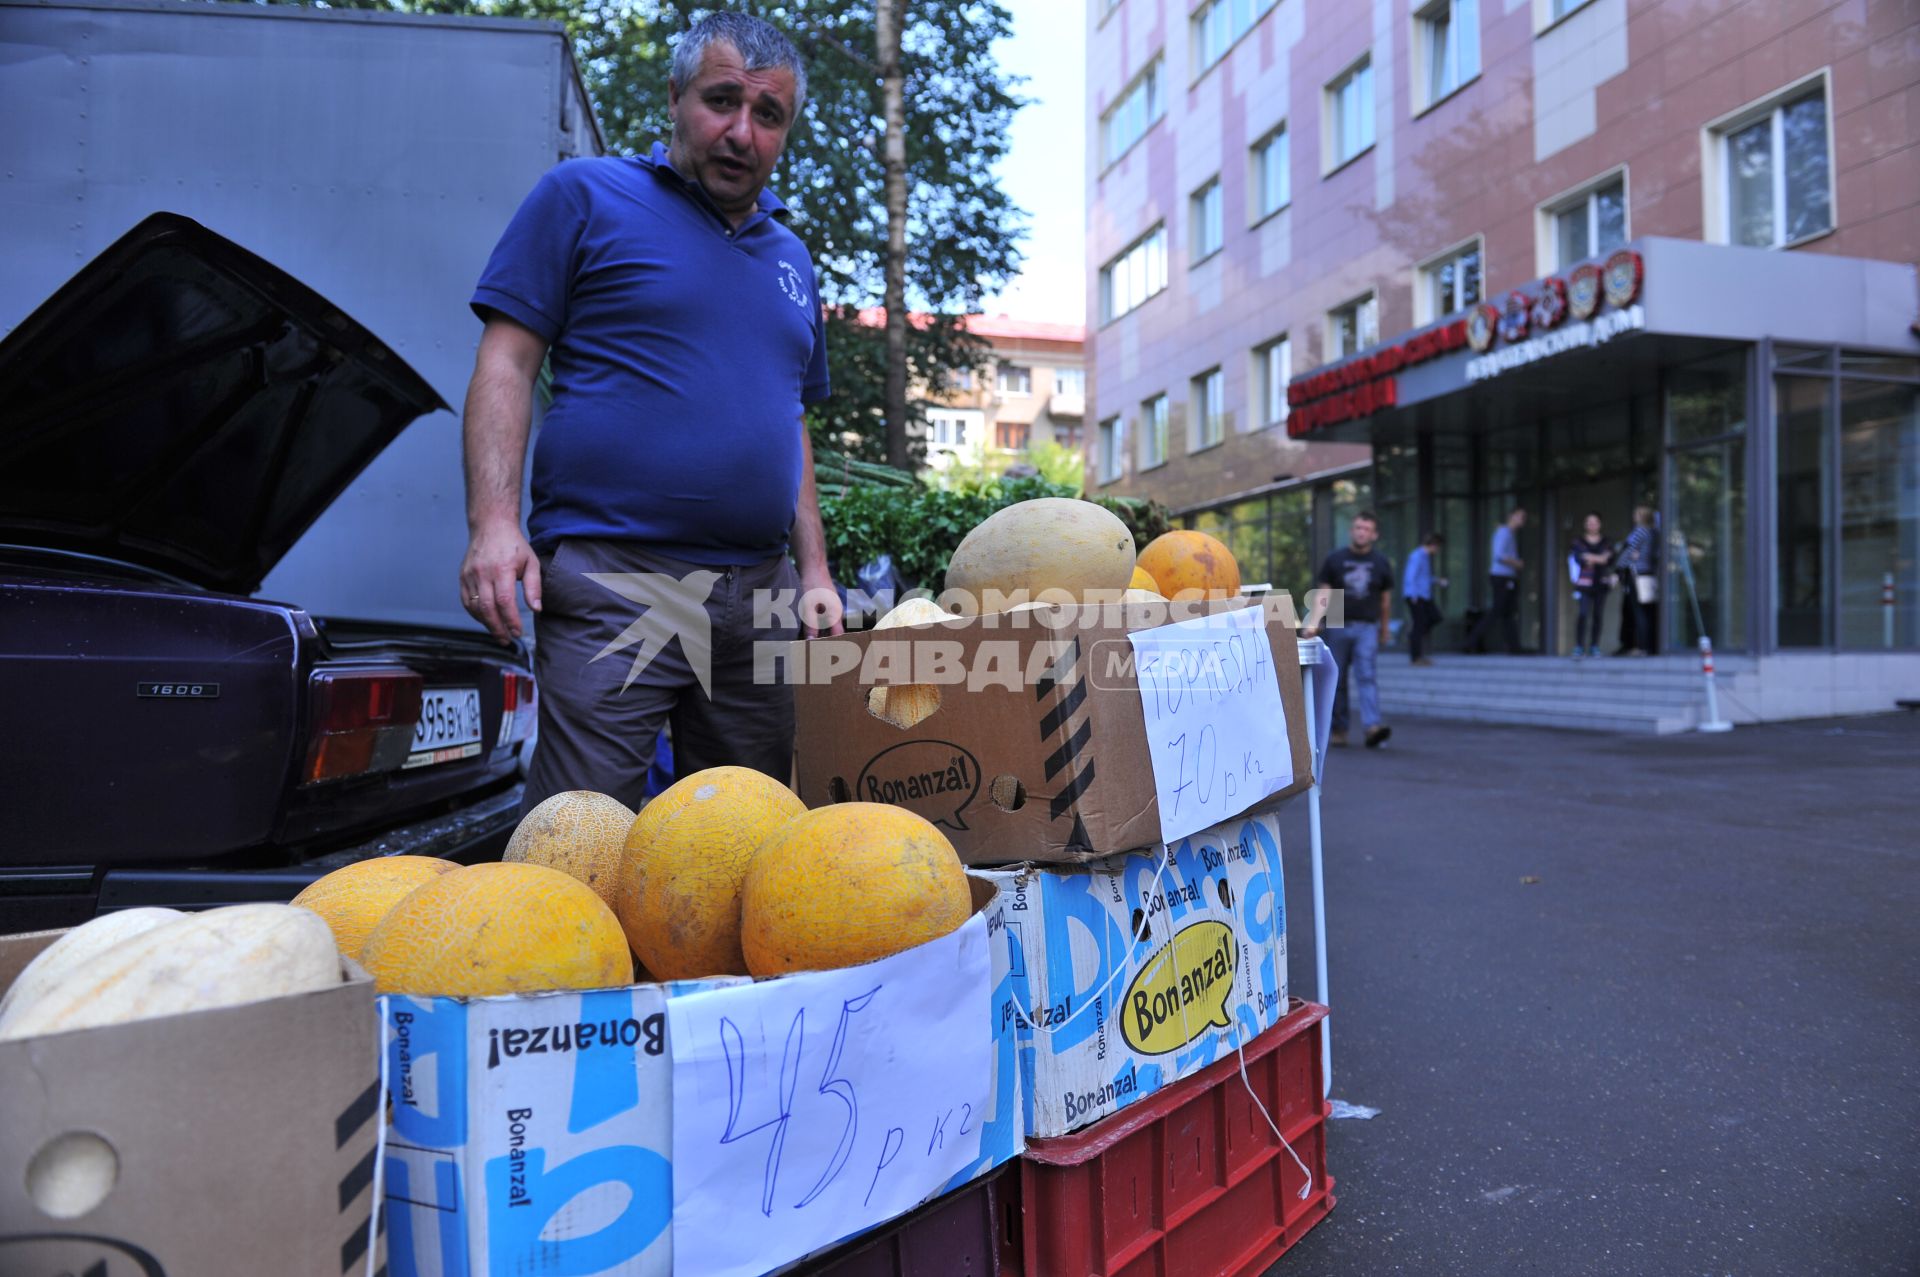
x: 1576, y: 255
x: 1031, y: 390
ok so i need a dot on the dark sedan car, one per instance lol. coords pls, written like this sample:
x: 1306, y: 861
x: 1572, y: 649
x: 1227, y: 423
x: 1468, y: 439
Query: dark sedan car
x: 171, y: 421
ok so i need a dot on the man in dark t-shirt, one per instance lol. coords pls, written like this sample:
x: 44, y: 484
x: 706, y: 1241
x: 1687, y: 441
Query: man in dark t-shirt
x: 672, y: 473
x: 1365, y: 578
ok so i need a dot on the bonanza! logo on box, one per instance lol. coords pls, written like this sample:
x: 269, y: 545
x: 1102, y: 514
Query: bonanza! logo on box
x: 1182, y: 990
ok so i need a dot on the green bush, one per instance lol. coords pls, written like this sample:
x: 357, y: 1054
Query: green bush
x: 922, y: 527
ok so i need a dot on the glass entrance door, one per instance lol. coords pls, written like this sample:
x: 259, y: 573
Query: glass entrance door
x: 1704, y: 542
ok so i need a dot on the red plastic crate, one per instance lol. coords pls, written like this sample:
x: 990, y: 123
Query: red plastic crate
x: 1189, y: 1181
x: 967, y: 1233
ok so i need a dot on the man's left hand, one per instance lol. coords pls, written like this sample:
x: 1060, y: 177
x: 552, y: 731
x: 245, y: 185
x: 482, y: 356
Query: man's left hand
x: 820, y: 609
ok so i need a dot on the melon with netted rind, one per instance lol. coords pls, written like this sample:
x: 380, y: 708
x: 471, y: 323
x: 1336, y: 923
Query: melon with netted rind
x: 498, y: 928
x: 355, y: 897
x: 580, y: 833
x: 848, y: 884
x: 686, y: 855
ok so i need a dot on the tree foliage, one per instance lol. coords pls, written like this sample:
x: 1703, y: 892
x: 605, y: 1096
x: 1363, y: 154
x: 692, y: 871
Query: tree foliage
x: 963, y: 232
x: 921, y: 527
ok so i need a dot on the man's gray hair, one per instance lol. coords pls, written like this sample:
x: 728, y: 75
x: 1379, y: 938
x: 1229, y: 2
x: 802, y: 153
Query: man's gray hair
x: 760, y: 44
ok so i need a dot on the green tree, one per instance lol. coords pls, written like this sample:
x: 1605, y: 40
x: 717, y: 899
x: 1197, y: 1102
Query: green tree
x: 963, y: 233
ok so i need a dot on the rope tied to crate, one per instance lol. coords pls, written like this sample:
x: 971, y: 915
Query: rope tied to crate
x: 1173, y: 953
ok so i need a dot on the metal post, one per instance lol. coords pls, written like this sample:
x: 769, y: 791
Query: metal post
x: 1886, y: 609
x: 1714, y: 722
x: 1319, y: 894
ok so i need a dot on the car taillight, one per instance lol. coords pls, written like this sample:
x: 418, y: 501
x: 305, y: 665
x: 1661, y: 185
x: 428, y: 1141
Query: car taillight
x: 516, y: 708
x: 363, y: 722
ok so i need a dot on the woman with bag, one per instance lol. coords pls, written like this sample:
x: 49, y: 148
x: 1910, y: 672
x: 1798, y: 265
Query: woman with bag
x: 1592, y: 553
x: 1639, y: 560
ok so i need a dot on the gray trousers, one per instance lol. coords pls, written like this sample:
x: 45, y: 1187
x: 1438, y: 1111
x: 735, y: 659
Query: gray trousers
x: 597, y: 728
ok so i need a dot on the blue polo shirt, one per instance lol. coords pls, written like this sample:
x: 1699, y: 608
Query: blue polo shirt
x: 682, y: 351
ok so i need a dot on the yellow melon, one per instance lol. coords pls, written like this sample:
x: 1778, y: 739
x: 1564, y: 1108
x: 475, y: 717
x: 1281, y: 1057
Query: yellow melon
x: 352, y: 899
x: 1052, y: 543
x: 196, y: 962
x: 1143, y: 580
x: 1189, y: 560
x: 848, y: 884
x: 910, y: 704
x: 498, y: 928
x: 679, y: 896
x: 52, y: 964
x: 579, y: 833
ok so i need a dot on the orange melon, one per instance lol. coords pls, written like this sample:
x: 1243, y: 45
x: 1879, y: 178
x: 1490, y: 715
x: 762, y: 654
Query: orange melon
x: 356, y: 897
x: 678, y: 895
x: 847, y: 884
x: 1188, y: 560
x: 498, y: 928
x: 580, y: 833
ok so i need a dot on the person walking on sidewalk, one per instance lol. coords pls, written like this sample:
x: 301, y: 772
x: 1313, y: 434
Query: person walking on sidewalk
x: 1503, y: 579
x: 1366, y: 578
x: 1592, y: 567
x: 1639, y: 564
x: 1418, y: 589
x: 672, y: 474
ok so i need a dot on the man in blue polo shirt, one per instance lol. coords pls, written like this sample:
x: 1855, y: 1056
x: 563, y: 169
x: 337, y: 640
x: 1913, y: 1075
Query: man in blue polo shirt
x: 679, y: 316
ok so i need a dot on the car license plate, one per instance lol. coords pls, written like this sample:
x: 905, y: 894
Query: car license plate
x: 449, y: 727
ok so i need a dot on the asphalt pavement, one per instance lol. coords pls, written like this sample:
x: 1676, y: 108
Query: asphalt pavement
x: 1627, y: 1005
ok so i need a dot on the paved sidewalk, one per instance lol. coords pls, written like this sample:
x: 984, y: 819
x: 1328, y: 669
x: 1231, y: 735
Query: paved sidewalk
x: 1627, y: 1005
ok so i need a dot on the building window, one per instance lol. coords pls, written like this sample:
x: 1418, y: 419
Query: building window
x: 1777, y: 183
x: 1272, y: 176
x: 1450, y: 282
x: 963, y: 379
x: 1204, y: 209
x: 1139, y: 108
x: 1113, y: 449
x: 1012, y: 379
x: 1558, y: 9
x: 1217, y: 25
x: 1353, y: 327
x: 1012, y: 436
x: 1067, y: 435
x: 1447, y: 48
x: 1070, y: 382
x: 1274, y: 363
x: 951, y: 431
x: 1591, y: 222
x: 1349, y: 114
x: 1153, y: 432
x: 1135, y: 275
x: 1209, y: 409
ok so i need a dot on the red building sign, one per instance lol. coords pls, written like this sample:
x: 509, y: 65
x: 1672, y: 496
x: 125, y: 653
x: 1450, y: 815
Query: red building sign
x: 1362, y: 386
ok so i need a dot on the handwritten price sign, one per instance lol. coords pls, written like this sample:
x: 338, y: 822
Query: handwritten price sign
x: 1216, y: 730
x: 810, y: 1107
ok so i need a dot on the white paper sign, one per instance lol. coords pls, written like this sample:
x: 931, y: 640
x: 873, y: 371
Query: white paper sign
x: 1216, y: 731
x: 810, y: 1107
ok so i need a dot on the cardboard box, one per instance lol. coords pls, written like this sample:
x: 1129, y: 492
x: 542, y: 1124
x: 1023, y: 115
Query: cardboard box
x: 1130, y: 976
x: 242, y: 1138
x: 1038, y: 753
x: 534, y: 1134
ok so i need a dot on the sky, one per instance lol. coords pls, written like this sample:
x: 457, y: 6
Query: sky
x: 1044, y: 170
